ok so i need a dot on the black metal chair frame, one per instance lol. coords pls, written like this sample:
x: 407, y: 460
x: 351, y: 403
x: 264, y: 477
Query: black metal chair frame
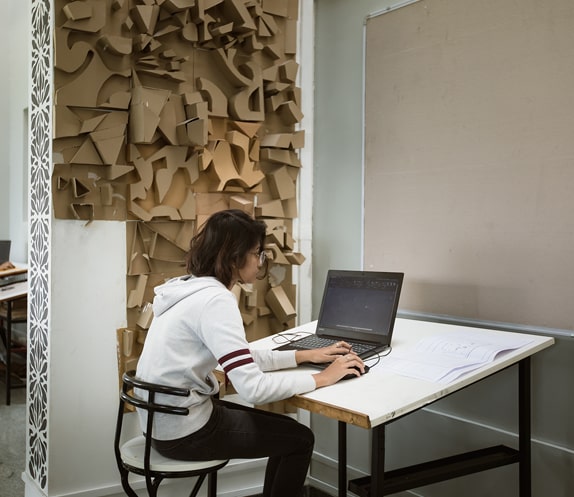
x: 154, y: 477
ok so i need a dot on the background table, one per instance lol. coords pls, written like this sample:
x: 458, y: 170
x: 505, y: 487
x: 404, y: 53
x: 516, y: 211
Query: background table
x: 9, y: 295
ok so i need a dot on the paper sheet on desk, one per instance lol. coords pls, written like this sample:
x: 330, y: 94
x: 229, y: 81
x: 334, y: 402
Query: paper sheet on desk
x: 443, y: 358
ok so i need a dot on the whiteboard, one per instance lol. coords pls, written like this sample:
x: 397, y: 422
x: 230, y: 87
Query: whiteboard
x: 469, y: 157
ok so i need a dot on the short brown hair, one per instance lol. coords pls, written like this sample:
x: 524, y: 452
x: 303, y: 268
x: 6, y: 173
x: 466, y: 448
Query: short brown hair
x: 223, y: 243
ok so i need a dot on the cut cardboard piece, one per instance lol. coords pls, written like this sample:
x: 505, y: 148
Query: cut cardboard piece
x: 298, y: 140
x: 179, y: 234
x: 185, y: 234
x: 75, y: 11
x: 290, y: 113
x: 240, y: 149
x: 87, y: 154
x: 275, y: 7
x: 216, y: 99
x: 273, y: 51
x: 145, y: 110
x: 241, y: 203
x: 146, y: 316
x: 223, y: 165
x: 236, y: 10
x: 270, y: 74
x: 85, y: 89
x: 290, y: 208
x: 280, y: 304
x: 117, y: 45
x: 135, y: 298
x: 138, y: 262
x: 109, y: 149
x: 262, y: 30
x: 288, y: 71
x: 273, y: 101
x: 187, y: 208
x: 89, y: 17
x: 277, y: 140
x: 289, y: 241
x: 162, y: 249
x: 127, y: 363
x: 274, y: 208
x: 281, y: 184
x: 78, y: 194
x: 280, y: 156
x: 275, y: 237
x: 248, y: 104
x: 248, y: 129
x: 295, y: 258
x: 66, y: 123
x: 145, y: 18
x: 170, y: 116
x: 270, y: 23
x: 277, y: 87
x: 91, y: 123
x: 275, y: 254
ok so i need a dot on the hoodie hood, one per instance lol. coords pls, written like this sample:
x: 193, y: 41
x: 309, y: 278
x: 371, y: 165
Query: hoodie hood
x: 177, y: 289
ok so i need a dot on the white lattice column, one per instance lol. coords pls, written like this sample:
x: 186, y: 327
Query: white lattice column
x: 40, y: 213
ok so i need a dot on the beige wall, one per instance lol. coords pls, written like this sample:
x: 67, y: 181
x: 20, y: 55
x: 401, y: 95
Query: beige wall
x: 475, y: 418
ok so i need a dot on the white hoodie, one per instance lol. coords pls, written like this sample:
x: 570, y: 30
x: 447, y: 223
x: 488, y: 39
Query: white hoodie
x: 197, y: 325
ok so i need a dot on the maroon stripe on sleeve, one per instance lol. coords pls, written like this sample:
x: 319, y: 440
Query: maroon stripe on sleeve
x: 232, y: 355
x: 231, y: 366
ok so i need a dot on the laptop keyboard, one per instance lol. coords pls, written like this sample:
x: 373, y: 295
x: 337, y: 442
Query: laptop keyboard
x: 315, y: 342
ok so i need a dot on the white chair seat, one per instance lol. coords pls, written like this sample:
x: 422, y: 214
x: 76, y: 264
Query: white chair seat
x: 133, y: 455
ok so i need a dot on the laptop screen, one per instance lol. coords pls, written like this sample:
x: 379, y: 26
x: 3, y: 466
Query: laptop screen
x: 4, y: 251
x: 360, y: 305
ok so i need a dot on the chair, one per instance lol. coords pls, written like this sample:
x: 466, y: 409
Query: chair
x: 137, y: 455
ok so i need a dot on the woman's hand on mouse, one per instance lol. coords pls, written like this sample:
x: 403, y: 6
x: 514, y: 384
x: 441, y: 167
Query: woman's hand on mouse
x: 346, y: 364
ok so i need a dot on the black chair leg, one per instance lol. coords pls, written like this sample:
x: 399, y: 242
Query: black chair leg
x: 125, y: 484
x: 212, y: 484
x: 197, y: 486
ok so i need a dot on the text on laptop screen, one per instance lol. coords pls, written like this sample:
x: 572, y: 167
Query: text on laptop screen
x: 359, y: 304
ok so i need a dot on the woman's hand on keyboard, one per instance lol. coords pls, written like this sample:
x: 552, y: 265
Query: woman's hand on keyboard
x: 323, y: 354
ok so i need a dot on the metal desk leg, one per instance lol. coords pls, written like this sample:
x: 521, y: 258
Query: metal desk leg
x: 377, y: 461
x: 524, y: 421
x: 342, y: 459
x: 8, y: 350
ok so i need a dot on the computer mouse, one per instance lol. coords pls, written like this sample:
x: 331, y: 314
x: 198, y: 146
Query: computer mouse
x: 351, y: 375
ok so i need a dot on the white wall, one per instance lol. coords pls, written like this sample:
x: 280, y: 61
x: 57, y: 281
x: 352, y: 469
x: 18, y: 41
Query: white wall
x: 88, y: 305
x: 14, y: 60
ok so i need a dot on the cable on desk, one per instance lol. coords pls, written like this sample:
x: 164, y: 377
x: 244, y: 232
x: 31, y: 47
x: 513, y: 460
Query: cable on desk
x: 378, y: 357
x: 289, y: 337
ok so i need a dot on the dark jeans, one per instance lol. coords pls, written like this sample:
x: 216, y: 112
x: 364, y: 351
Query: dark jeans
x: 238, y: 432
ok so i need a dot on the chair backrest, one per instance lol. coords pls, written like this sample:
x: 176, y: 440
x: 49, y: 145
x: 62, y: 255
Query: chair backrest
x: 128, y: 397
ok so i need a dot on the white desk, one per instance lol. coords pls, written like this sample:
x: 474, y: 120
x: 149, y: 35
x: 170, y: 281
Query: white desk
x: 379, y: 397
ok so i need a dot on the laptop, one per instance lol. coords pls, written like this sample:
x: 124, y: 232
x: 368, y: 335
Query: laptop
x: 358, y: 307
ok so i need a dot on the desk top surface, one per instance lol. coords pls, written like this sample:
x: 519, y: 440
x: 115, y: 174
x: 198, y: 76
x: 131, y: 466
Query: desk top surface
x: 13, y: 291
x: 381, y: 396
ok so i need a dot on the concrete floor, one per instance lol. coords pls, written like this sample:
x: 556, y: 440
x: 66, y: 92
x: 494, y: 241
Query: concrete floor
x: 12, y: 441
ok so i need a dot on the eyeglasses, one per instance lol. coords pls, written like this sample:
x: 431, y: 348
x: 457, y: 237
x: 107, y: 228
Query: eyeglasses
x: 261, y: 256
